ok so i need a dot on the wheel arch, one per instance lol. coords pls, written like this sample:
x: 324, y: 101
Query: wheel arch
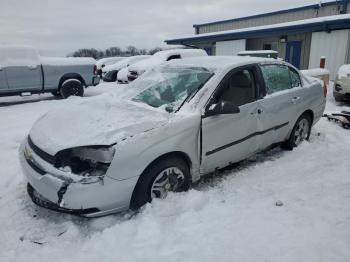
x: 71, y: 76
x: 176, y: 154
x: 310, y: 113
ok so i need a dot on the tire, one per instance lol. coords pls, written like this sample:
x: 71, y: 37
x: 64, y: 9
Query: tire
x: 72, y: 87
x: 56, y: 93
x: 147, y: 186
x: 300, y: 132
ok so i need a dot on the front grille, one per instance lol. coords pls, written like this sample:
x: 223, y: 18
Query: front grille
x: 42, y: 154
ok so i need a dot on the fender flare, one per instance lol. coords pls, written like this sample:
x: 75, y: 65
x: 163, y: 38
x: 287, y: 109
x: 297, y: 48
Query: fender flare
x: 71, y: 76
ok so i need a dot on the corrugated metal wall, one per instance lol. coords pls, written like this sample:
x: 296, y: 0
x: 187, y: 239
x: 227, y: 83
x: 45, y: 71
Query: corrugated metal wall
x: 334, y: 46
x: 230, y: 47
x: 258, y: 44
x: 271, y: 19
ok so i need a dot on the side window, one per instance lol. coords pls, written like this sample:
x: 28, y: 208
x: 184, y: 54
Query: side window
x: 239, y: 88
x: 295, y: 78
x: 276, y: 78
x: 173, y: 57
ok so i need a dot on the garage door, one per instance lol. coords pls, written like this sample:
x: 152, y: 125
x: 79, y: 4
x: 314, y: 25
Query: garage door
x: 333, y: 46
x: 230, y: 47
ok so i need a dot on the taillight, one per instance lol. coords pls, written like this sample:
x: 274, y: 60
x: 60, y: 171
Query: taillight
x: 95, y: 70
x: 324, y: 88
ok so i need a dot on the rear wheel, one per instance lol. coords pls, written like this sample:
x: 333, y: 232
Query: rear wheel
x: 72, y: 87
x: 300, y: 132
x: 167, y: 175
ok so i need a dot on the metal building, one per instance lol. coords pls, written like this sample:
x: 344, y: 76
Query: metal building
x: 300, y: 35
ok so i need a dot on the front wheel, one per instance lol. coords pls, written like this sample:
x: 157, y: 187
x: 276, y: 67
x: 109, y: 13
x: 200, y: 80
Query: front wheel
x: 167, y: 175
x: 72, y: 87
x: 300, y: 132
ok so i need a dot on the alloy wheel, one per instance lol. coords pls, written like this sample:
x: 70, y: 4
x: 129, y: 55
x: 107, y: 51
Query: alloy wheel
x: 169, y: 180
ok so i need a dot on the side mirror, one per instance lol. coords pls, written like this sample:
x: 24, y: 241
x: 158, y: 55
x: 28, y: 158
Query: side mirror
x: 222, y: 108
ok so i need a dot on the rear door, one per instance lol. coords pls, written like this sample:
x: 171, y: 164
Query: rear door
x: 230, y: 138
x: 279, y: 108
x: 23, y: 70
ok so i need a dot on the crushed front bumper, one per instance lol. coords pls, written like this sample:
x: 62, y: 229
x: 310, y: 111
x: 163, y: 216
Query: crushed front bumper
x: 54, y: 189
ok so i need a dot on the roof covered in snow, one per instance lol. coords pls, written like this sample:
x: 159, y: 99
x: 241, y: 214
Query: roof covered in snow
x: 307, y: 25
x: 218, y: 62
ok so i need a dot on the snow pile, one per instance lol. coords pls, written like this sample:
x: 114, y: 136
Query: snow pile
x: 231, y: 216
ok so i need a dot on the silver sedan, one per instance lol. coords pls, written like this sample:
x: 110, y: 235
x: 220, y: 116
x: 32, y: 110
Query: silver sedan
x: 180, y: 121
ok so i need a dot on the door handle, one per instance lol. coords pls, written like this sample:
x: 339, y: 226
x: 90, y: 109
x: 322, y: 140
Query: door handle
x: 295, y: 99
x: 32, y: 67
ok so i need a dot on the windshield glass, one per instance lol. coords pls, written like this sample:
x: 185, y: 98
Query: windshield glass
x: 169, y: 87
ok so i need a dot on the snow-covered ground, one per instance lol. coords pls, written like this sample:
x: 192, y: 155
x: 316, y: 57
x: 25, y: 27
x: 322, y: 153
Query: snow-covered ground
x: 231, y: 216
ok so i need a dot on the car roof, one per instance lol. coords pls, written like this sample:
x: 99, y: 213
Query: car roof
x: 220, y: 62
x: 189, y: 52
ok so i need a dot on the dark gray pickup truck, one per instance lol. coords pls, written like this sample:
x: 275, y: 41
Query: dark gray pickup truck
x: 24, y: 71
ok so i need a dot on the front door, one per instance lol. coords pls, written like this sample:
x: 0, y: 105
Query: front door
x: 229, y: 138
x: 23, y: 70
x: 293, y: 53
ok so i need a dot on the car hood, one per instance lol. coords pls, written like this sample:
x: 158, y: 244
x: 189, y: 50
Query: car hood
x: 97, y: 122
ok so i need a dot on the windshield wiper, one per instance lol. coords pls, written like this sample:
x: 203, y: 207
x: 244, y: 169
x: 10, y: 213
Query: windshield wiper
x: 192, y: 94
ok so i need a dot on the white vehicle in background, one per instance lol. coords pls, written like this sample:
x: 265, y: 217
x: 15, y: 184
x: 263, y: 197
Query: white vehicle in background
x: 110, y: 72
x: 122, y: 76
x: 186, y: 118
x: 23, y: 70
x: 101, y: 63
x: 259, y: 53
x: 341, y: 88
x: 160, y: 57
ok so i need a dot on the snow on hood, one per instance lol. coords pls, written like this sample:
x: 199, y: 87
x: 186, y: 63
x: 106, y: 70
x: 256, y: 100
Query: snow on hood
x: 98, y: 121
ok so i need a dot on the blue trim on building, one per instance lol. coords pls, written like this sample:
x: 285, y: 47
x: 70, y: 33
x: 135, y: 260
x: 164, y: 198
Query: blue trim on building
x: 283, y: 30
x: 344, y: 3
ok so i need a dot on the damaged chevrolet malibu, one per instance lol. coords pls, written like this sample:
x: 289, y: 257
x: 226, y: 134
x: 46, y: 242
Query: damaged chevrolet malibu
x: 180, y: 121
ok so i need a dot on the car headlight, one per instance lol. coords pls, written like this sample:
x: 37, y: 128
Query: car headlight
x: 85, y: 161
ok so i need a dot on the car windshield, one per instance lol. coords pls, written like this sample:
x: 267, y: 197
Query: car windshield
x: 170, y: 87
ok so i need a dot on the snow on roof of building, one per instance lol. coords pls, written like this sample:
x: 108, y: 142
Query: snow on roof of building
x: 313, y: 24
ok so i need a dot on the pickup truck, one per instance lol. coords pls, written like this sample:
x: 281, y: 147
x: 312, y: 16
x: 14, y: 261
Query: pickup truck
x: 24, y: 71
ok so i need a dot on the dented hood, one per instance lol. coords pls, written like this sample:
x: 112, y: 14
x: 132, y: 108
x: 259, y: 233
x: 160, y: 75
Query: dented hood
x: 94, y: 122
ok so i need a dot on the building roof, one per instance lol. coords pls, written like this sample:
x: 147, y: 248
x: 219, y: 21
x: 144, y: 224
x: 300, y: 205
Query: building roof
x: 326, y: 23
x: 284, y: 11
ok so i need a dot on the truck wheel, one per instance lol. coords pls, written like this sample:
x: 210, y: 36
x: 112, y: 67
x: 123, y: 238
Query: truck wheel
x: 72, y: 87
x: 56, y: 93
x: 167, y: 175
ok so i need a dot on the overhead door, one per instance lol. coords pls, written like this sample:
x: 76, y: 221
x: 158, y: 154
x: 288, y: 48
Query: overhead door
x: 230, y: 47
x: 333, y: 45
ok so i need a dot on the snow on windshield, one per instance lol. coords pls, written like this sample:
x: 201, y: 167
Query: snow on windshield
x: 169, y: 87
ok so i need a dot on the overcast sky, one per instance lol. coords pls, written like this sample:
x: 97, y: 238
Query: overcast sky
x: 58, y: 27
